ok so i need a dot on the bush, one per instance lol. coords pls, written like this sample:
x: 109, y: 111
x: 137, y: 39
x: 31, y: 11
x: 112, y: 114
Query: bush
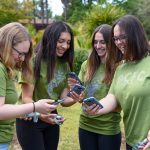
x: 80, y: 56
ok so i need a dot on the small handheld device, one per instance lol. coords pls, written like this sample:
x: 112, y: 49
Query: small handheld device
x: 34, y: 115
x: 74, y: 76
x: 57, y: 119
x: 58, y: 102
x: 77, y: 89
x: 142, y: 143
x: 92, y: 100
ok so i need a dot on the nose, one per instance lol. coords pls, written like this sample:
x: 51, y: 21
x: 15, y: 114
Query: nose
x: 22, y: 58
x: 118, y: 41
x: 98, y: 45
x: 65, y: 45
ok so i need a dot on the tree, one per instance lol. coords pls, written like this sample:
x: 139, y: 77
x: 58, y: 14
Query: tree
x: 98, y: 14
x: 42, y: 10
x: 141, y: 9
x: 77, y: 9
x: 13, y: 11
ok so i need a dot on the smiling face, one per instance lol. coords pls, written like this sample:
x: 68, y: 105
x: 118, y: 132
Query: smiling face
x: 19, y: 51
x: 63, y: 44
x: 120, y: 39
x: 100, y: 45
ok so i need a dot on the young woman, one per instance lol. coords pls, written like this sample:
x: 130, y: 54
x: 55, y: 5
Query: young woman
x: 98, y: 133
x: 131, y: 82
x: 15, y: 53
x: 52, y: 62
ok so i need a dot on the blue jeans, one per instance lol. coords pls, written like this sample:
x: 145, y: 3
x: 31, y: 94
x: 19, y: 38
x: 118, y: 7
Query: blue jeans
x: 4, y: 146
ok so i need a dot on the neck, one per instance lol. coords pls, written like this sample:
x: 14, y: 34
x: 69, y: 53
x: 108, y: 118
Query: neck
x: 103, y: 60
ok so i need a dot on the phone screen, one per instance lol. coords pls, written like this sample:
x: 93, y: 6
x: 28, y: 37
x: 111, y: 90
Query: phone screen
x: 92, y: 100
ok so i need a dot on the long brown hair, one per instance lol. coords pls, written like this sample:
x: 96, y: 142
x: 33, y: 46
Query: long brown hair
x: 10, y: 35
x: 137, y: 44
x: 94, y: 60
x: 47, y: 50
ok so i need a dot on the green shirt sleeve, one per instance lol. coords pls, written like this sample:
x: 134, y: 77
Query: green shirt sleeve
x: 82, y: 70
x: 3, y: 75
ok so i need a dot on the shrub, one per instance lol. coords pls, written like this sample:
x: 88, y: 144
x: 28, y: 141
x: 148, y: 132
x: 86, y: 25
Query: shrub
x: 80, y: 56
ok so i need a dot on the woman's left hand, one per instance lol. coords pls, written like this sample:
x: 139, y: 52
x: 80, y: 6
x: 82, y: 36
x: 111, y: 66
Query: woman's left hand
x: 145, y: 147
x: 48, y: 118
x: 148, y: 144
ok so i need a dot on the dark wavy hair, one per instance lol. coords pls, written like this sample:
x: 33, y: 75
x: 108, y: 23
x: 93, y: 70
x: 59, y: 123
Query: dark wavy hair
x: 94, y: 60
x: 137, y: 44
x: 47, y: 49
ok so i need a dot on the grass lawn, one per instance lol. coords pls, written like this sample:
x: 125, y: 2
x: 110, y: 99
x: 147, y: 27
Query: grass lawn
x: 68, y: 131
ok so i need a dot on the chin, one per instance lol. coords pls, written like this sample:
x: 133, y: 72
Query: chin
x: 101, y: 55
x: 60, y: 55
x: 18, y: 65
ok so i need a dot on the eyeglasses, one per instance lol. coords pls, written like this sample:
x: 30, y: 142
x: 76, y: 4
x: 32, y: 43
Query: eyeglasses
x: 121, y: 38
x: 20, y: 54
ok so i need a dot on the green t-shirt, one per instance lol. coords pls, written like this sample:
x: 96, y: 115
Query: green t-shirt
x: 52, y: 90
x: 108, y: 124
x: 131, y: 87
x: 7, y: 90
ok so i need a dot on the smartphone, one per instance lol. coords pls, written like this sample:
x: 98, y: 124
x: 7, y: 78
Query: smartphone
x: 142, y: 143
x: 92, y: 100
x: 74, y: 76
x: 58, y: 102
x: 34, y: 115
x: 77, y: 89
x: 57, y: 119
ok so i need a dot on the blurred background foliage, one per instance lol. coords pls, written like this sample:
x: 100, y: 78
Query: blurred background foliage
x: 82, y: 15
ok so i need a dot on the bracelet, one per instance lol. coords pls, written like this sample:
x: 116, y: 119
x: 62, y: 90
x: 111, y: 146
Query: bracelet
x: 33, y: 106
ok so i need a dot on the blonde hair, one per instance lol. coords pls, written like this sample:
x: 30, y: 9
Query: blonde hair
x: 10, y: 35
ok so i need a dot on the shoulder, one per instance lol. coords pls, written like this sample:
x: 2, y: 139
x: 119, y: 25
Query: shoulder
x: 2, y: 68
x: 84, y: 64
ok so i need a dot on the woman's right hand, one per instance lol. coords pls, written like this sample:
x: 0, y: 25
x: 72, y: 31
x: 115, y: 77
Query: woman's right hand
x: 44, y: 106
x: 72, y: 82
x: 91, y: 110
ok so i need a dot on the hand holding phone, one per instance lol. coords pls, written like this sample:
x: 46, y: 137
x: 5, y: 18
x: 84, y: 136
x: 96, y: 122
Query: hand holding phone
x: 74, y: 76
x: 59, y: 120
x: 77, y: 89
x: 140, y: 144
x: 34, y: 115
x: 92, y: 100
x: 58, y: 101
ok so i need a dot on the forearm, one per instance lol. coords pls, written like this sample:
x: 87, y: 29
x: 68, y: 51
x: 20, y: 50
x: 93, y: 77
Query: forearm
x: 68, y: 102
x: 13, y: 111
x: 109, y: 104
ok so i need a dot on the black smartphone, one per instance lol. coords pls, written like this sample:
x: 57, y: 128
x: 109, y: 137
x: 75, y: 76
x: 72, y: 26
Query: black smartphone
x: 74, y: 76
x: 58, y: 102
x: 92, y: 100
x: 77, y: 89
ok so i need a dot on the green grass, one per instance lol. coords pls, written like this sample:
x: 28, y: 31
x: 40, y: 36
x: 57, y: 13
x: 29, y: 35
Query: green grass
x: 69, y: 130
